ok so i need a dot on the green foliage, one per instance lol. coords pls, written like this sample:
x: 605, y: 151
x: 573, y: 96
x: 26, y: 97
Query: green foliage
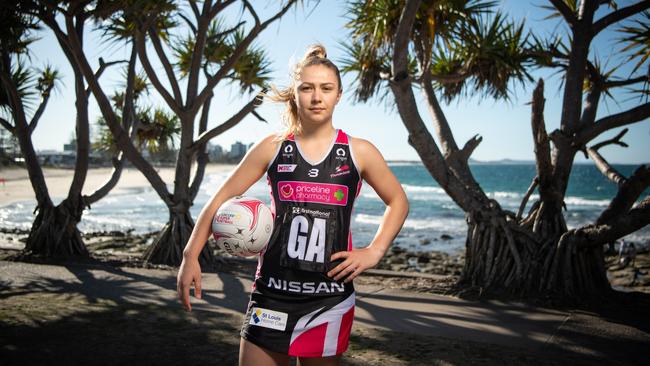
x: 490, y: 51
x: 464, y: 49
x: 636, y: 38
x: 23, y: 79
x: 48, y: 80
x: 250, y: 70
x: 156, y: 130
x: 18, y: 26
x: 120, y: 18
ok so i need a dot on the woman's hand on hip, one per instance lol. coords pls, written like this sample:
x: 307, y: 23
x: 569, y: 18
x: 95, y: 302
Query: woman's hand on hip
x: 354, y: 263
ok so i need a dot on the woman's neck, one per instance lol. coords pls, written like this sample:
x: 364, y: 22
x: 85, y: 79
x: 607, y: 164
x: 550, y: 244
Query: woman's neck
x: 321, y: 131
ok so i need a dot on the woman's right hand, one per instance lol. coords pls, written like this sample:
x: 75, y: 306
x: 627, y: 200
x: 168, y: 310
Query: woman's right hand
x: 188, y: 273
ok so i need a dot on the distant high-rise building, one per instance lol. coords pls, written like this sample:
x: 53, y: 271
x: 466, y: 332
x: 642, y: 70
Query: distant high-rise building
x: 237, y: 150
x: 215, y: 152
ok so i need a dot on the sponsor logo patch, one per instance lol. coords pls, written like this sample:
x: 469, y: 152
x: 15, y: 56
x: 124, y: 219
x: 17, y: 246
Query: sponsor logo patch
x: 268, y: 318
x: 341, y: 170
x: 288, y: 151
x: 329, y: 194
x: 286, y: 168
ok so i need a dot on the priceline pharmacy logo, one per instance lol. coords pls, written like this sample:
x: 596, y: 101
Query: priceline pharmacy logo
x: 329, y: 194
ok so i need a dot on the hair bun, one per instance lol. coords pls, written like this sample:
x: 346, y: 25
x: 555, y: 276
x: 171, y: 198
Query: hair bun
x: 316, y: 50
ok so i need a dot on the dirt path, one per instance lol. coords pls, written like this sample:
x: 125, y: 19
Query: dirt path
x: 100, y: 314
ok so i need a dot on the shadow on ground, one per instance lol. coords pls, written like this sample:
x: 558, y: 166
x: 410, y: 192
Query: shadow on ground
x: 104, y: 315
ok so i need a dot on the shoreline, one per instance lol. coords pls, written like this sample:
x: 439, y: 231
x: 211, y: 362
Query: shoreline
x: 16, y: 186
x: 424, y: 271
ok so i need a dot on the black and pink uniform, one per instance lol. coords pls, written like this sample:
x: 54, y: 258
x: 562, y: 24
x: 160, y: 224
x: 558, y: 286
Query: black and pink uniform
x: 295, y: 308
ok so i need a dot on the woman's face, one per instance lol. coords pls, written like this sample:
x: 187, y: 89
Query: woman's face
x: 317, y: 92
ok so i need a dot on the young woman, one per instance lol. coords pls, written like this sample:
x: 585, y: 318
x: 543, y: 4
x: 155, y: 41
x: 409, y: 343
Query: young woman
x: 302, y: 303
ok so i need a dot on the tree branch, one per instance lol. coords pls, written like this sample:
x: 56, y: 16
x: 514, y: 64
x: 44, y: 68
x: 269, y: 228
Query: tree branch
x: 248, y: 6
x: 195, y: 9
x: 7, y: 125
x: 615, y: 140
x: 102, y: 67
x: 146, y: 65
x: 619, y: 226
x: 633, y: 115
x: 445, y: 136
x: 401, y: 43
x: 524, y: 201
x: 121, y: 137
x: 469, y: 147
x: 542, y: 143
x: 231, y: 122
x: 219, y: 6
x: 628, y: 192
x: 236, y: 54
x: 111, y: 182
x: 619, y: 15
x: 618, y: 83
x: 565, y: 11
x: 188, y: 21
x: 197, y: 54
x: 602, y: 164
x: 39, y: 112
x: 591, y: 106
x: 164, y: 60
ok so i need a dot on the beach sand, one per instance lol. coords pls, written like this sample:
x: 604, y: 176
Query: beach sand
x: 15, y: 185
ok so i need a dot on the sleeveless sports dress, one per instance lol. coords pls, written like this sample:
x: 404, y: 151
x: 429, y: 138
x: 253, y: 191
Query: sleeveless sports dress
x: 295, y: 308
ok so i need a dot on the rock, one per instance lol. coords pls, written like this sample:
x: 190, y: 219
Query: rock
x: 425, y: 241
x: 423, y: 259
x: 445, y: 237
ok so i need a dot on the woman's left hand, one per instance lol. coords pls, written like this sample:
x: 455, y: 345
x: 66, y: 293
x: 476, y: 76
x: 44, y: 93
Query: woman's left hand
x: 354, y: 263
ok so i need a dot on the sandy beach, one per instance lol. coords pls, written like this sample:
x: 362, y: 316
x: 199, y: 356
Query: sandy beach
x: 15, y: 185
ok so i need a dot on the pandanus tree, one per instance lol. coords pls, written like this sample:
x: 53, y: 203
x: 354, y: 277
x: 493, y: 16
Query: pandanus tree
x: 203, y: 52
x: 449, y: 49
x: 152, y: 129
x: 54, y: 232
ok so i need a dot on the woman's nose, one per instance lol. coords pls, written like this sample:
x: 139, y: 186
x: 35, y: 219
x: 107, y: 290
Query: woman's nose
x: 316, y: 96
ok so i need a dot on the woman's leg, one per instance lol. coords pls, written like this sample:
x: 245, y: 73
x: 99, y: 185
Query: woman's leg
x: 319, y: 361
x: 251, y: 354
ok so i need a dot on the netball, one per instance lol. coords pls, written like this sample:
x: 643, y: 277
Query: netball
x: 242, y: 226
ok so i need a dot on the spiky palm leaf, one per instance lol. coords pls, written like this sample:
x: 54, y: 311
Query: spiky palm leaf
x: 157, y: 130
x: 251, y: 69
x: 120, y: 18
x: 637, y: 40
x: 450, y: 37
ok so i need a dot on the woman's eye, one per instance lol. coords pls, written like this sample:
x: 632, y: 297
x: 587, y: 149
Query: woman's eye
x: 305, y: 88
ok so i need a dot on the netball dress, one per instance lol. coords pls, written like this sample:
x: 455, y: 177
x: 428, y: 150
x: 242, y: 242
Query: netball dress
x: 295, y: 308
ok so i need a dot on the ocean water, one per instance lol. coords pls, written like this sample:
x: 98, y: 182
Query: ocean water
x: 433, y: 214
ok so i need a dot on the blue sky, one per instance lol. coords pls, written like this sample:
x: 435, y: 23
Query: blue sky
x: 504, y: 126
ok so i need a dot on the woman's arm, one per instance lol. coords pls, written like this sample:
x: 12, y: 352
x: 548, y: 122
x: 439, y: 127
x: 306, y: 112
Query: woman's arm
x: 376, y: 173
x: 246, y: 173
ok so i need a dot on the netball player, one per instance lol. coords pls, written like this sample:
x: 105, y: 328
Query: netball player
x: 302, y: 301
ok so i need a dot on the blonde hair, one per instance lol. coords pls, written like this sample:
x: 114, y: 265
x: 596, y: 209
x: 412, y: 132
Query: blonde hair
x: 315, y: 55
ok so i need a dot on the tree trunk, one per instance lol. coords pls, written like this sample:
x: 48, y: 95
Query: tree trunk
x: 506, y: 257
x: 54, y: 232
x: 168, y: 246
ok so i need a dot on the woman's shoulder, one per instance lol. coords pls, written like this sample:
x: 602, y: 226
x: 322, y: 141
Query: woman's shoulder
x: 266, y: 147
x: 364, y: 151
x: 361, y: 146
